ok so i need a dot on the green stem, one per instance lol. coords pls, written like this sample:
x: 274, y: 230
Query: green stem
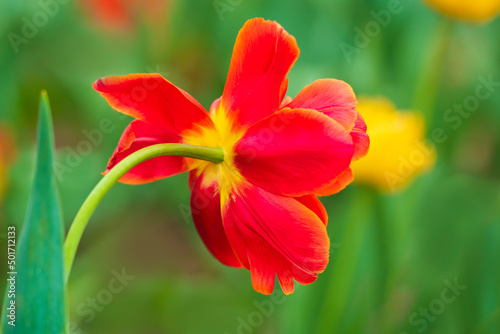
x: 430, y: 74
x: 212, y: 154
x: 383, y: 241
x: 343, y: 271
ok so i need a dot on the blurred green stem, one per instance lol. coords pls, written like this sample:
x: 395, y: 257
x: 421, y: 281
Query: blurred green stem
x: 383, y: 239
x: 430, y: 74
x: 212, y: 154
x: 345, y: 264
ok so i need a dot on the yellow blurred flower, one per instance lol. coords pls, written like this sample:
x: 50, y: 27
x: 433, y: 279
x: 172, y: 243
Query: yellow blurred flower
x: 477, y: 10
x: 398, y: 151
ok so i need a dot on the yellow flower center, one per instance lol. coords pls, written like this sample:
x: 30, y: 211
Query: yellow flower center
x: 225, y: 174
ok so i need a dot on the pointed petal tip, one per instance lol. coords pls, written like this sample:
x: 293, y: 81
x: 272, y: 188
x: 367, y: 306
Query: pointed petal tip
x: 151, y: 98
x: 263, y: 54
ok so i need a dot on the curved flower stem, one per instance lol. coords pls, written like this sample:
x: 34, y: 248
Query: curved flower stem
x: 212, y: 154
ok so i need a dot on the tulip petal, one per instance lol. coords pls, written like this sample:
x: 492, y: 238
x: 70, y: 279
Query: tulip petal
x: 206, y: 212
x: 336, y: 99
x: 275, y: 235
x: 360, y: 138
x: 314, y: 204
x: 342, y: 181
x: 139, y: 135
x: 283, y: 89
x: 193, y: 176
x: 110, y: 14
x: 262, y: 57
x: 153, y: 99
x: 215, y: 105
x: 293, y: 152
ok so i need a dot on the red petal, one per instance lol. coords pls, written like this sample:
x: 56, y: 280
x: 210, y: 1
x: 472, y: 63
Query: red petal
x: 285, y: 102
x: 215, y: 106
x: 283, y: 89
x: 153, y: 99
x: 206, y: 212
x: 111, y: 14
x: 139, y: 135
x: 314, y: 204
x: 262, y: 56
x: 294, y: 152
x: 360, y: 139
x: 334, y: 98
x: 192, y: 179
x: 342, y: 181
x: 275, y: 235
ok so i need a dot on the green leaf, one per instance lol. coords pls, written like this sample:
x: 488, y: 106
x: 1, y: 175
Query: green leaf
x: 39, y: 289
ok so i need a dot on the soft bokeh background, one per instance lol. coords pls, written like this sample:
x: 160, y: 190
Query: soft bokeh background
x: 393, y: 255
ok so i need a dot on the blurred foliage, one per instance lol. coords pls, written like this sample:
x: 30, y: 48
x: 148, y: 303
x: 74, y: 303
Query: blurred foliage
x: 36, y: 296
x: 392, y: 255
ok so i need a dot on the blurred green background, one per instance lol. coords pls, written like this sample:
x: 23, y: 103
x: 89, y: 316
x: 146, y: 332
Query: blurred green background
x: 393, y: 257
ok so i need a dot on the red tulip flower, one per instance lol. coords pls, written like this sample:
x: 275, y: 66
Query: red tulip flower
x: 123, y: 15
x: 257, y: 209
